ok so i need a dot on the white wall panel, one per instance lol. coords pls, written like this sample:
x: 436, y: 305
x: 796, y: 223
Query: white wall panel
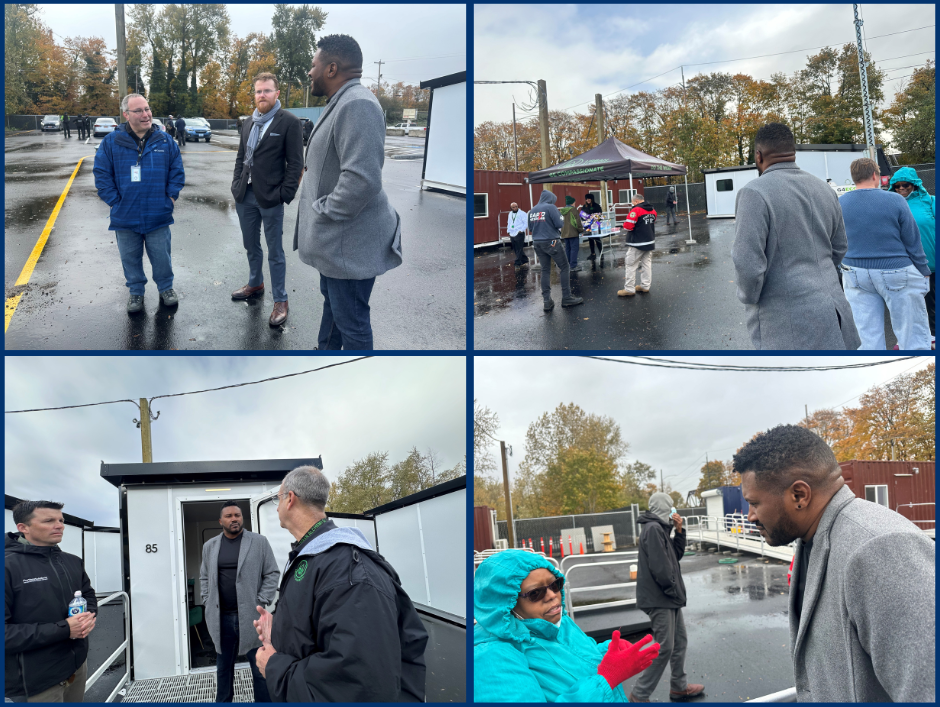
x: 447, y: 137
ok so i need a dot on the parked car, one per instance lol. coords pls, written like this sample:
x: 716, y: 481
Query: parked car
x: 103, y: 126
x: 197, y: 128
x: 51, y: 122
x: 159, y: 124
x: 406, y: 126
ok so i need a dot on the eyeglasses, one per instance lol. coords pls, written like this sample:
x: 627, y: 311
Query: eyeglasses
x: 266, y: 92
x: 539, y: 594
x: 277, y: 499
x: 903, y: 185
x: 140, y: 110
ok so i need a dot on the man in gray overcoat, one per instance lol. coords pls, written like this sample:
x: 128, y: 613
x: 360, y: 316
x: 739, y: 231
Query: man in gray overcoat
x: 788, y: 246
x: 238, y: 574
x: 862, y: 606
x: 346, y: 227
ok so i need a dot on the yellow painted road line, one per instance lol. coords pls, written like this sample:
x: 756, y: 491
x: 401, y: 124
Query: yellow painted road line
x: 30, y: 265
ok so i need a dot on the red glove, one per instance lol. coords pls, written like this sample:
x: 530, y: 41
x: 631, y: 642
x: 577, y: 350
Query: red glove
x: 624, y: 660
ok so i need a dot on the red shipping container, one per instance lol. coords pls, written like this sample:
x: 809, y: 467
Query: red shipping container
x: 905, y: 487
x: 482, y: 529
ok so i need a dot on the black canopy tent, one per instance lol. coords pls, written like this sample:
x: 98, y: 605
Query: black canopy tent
x: 610, y: 160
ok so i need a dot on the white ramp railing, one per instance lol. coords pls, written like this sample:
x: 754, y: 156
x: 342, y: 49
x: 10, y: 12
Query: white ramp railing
x: 125, y: 646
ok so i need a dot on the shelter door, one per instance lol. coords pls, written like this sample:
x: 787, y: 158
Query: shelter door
x: 903, y: 493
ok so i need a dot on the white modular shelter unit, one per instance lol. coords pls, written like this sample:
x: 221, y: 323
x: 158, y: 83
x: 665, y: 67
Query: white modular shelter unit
x: 168, y: 511
x: 445, y: 148
x: 714, y: 506
x: 73, y: 537
x: 722, y: 186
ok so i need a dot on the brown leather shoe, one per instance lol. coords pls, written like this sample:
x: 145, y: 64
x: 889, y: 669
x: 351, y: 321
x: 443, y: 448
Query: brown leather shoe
x: 247, y: 291
x: 689, y: 692
x: 636, y: 699
x: 278, y: 314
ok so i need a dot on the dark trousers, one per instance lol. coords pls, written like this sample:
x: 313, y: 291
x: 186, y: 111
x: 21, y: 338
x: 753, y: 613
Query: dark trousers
x: 181, y: 137
x: 668, y: 629
x: 547, y: 251
x: 345, y: 323
x: 227, y: 655
x: 81, y: 130
x: 600, y: 245
x: 931, y: 300
x: 518, y: 244
x: 571, y: 250
x: 65, y: 129
x: 250, y: 216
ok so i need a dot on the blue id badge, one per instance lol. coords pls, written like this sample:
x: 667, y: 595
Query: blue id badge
x: 135, y: 173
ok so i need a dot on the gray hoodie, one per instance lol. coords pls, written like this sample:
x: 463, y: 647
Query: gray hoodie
x: 544, y: 218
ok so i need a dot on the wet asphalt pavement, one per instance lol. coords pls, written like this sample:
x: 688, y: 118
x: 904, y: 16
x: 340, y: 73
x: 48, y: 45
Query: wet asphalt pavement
x: 736, y: 620
x: 76, y: 297
x: 692, y: 303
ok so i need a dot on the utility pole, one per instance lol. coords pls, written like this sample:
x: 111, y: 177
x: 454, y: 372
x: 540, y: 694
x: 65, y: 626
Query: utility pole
x: 543, y: 125
x: 380, y: 62
x: 509, y: 526
x: 682, y: 69
x: 515, y: 153
x: 145, y: 443
x: 599, y: 114
x: 121, y: 54
x: 806, y: 410
x: 863, y: 78
x: 662, y: 486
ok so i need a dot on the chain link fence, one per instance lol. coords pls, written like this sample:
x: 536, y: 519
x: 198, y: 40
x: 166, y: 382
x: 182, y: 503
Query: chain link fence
x: 540, y: 530
x: 927, y: 173
x: 657, y: 197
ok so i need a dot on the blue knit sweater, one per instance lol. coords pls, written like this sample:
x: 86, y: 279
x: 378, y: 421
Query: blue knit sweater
x: 881, y: 231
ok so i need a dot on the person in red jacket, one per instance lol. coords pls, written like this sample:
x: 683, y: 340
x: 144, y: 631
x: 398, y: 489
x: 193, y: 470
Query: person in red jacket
x: 641, y: 240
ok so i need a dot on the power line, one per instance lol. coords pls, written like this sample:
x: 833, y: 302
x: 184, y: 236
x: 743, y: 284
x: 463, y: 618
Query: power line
x: 195, y: 392
x: 696, y: 366
x: 416, y: 58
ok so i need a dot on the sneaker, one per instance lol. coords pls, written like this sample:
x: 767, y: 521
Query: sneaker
x: 576, y: 268
x: 548, y: 305
x: 591, y: 256
x: 625, y: 293
x: 571, y: 301
x: 169, y: 298
x: 135, y: 304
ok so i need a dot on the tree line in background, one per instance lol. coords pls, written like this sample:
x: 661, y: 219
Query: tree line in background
x: 575, y: 461
x: 712, y: 121
x: 371, y: 482
x: 183, y: 58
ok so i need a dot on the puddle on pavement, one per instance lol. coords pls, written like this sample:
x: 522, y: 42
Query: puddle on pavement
x: 227, y: 205
x: 33, y: 212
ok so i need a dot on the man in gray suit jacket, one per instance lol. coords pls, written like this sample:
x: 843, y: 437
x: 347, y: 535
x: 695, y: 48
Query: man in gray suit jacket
x: 862, y: 607
x: 238, y: 574
x: 788, y: 246
x: 346, y: 227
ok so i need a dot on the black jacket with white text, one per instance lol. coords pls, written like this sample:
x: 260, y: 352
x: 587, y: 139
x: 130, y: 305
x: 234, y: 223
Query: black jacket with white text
x: 641, y: 226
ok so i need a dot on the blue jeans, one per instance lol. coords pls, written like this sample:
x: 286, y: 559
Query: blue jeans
x: 571, y: 250
x: 345, y: 322
x: 250, y: 216
x: 131, y: 247
x: 903, y: 289
x: 226, y: 656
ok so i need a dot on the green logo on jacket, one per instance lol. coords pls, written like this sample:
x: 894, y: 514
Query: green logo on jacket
x: 300, y: 571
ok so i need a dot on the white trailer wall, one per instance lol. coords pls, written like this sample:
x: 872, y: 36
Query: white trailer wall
x: 103, y: 561
x: 826, y: 164
x: 426, y: 544
x: 721, y: 203
x: 445, y: 165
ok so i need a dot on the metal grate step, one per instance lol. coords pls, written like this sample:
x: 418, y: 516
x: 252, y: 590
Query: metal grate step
x: 198, y: 687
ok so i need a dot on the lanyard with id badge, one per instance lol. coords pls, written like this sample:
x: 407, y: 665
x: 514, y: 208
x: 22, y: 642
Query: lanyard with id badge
x: 135, y: 168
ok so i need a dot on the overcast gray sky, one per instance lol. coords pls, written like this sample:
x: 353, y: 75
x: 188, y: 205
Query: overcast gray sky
x: 580, y: 50
x: 344, y: 413
x: 671, y: 418
x: 419, y: 42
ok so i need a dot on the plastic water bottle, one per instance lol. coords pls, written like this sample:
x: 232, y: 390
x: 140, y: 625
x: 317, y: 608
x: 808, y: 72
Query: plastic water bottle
x: 595, y: 227
x: 78, y: 605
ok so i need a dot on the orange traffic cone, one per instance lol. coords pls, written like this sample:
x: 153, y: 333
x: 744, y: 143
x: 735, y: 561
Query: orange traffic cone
x: 542, y: 542
x: 570, y: 549
x: 561, y: 548
x: 549, y: 547
x: 581, y: 545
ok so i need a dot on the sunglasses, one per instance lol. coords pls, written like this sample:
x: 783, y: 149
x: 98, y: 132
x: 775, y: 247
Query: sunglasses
x: 903, y: 185
x: 539, y: 594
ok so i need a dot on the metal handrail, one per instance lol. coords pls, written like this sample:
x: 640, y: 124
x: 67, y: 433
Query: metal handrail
x: 125, y: 646
x: 478, y: 557
x: 788, y: 695
x: 606, y: 554
x: 605, y: 604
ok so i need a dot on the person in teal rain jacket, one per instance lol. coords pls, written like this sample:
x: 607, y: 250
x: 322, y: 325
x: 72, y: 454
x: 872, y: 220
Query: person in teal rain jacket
x: 906, y: 183
x: 527, y: 649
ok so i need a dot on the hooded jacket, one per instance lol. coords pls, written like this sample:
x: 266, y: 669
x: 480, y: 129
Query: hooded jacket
x: 544, y: 218
x: 924, y: 208
x: 671, y: 197
x: 641, y: 226
x: 146, y: 205
x: 530, y: 660
x: 39, y: 584
x: 572, y: 227
x: 659, y: 583
x: 344, y: 629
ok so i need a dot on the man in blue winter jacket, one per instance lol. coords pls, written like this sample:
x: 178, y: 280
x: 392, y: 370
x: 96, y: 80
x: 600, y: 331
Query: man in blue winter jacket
x: 139, y: 174
x: 545, y: 223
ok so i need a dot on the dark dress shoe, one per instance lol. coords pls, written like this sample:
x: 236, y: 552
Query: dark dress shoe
x: 687, y: 694
x: 278, y: 314
x: 247, y: 291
